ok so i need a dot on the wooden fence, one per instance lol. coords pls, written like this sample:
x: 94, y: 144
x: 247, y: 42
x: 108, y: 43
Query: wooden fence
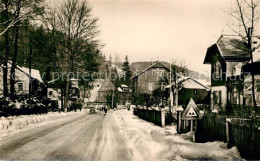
x: 244, y: 133
x: 155, y: 116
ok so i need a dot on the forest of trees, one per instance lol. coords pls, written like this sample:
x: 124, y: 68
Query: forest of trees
x: 61, y: 39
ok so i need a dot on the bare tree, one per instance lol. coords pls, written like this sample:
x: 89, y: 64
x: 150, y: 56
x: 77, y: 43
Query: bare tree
x: 23, y: 10
x: 5, y: 6
x: 79, y: 30
x: 246, y: 13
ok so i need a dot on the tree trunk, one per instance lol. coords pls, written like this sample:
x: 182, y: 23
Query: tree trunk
x: 250, y: 35
x: 14, y: 60
x: 253, y: 92
x: 66, y: 99
x: 30, y: 73
x: 7, y: 48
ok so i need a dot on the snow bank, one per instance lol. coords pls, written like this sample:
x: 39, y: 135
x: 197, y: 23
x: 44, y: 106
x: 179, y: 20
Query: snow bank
x: 150, y: 142
x: 14, y: 124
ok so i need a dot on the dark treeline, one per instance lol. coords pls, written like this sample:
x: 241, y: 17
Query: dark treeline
x: 61, y: 40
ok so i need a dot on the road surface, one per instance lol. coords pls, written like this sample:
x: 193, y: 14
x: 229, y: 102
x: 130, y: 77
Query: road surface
x: 85, y: 137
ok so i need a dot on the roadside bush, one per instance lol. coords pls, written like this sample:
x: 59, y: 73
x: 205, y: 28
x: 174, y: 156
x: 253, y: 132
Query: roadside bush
x: 21, y: 106
x: 75, y: 106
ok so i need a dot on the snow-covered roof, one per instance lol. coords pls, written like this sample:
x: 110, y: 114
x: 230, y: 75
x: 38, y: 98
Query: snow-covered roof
x: 120, y: 89
x: 156, y: 63
x: 124, y: 86
x: 34, y: 73
x: 94, y: 92
x: 190, y: 83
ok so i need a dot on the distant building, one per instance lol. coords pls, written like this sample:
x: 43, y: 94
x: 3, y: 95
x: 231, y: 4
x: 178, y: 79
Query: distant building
x: 188, y: 88
x: 124, y: 94
x: 147, y: 80
x: 22, y: 77
x: 247, y: 71
x: 226, y: 57
x: 105, y: 89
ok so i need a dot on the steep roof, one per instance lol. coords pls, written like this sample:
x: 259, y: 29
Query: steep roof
x: 190, y: 83
x: 155, y: 64
x: 107, y: 86
x: 230, y: 47
x: 35, y: 74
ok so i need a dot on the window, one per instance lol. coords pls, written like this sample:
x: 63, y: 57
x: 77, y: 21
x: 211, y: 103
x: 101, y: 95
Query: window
x: 217, y: 99
x: 20, y: 86
x: 237, y: 69
x: 217, y: 70
x: 161, y: 72
x: 154, y: 72
x: 195, y: 91
x: 150, y: 87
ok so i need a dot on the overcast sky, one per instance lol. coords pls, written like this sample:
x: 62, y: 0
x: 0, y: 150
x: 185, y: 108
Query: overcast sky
x: 148, y: 30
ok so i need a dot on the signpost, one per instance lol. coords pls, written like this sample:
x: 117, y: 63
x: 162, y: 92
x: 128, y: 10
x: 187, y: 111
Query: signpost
x: 191, y: 113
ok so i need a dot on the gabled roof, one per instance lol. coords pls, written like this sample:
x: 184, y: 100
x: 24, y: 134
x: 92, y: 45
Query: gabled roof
x: 107, y: 86
x: 155, y: 64
x: 190, y: 83
x: 35, y: 74
x: 230, y: 47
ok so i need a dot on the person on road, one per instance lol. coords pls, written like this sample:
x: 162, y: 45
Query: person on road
x: 105, y: 109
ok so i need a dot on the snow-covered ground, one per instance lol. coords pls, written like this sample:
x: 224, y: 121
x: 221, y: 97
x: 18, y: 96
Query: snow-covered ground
x: 150, y: 142
x: 14, y: 124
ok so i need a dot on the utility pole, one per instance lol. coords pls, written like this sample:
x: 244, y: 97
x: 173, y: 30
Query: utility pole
x: 30, y: 73
x: 113, y: 98
x: 176, y: 86
x: 249, y: 37
x: 171, y: 94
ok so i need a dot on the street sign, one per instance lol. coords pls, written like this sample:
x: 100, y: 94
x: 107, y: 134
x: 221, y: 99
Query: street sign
x: 191, y: 112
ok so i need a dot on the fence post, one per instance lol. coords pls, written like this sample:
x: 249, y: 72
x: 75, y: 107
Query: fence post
x: 227, y: 131
x: 163, y: 117
x: 154, y: 116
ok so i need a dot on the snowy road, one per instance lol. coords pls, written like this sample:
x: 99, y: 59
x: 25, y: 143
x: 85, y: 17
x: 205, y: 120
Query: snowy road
x: 85, y: 137
x: 118, y: 135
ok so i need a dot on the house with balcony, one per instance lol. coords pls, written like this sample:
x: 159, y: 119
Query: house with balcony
x: 226, y: 58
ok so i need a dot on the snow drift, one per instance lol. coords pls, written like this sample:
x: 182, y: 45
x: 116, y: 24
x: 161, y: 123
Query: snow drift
x: 150, y: 142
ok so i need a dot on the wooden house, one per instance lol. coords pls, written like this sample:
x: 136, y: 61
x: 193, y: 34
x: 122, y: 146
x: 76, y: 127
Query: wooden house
x: 22, y: 78
x: 226, y: 57
x: 106, y: 88
x: 190, y: 88
x: 147, y: 80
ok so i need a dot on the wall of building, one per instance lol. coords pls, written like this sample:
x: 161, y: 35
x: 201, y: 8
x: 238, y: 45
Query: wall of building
x: 216, y: 57
x: 230, y: 68
x: 20, y: 78
x: 201, y: 96
x: 149, y: 81
x: 215, y: 104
